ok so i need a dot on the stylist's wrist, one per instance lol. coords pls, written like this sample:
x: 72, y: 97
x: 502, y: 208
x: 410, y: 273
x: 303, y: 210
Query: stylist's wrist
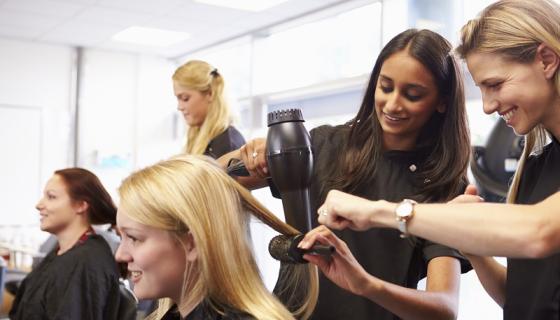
x: 383, y: 214
x: 370, y: 287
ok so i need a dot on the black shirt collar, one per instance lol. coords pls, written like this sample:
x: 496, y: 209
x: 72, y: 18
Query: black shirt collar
x: 418, y: 154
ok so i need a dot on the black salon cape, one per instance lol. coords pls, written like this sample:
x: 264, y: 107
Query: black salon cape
x: 204, y: 312
x: 81, y: 284
x: 381, y: 252
x: 227, y: 141
x: 533, y: 285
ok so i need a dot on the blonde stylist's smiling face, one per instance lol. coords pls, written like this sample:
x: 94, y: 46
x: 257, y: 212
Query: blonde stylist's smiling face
x: 156, y: 260
x: 523, y: 94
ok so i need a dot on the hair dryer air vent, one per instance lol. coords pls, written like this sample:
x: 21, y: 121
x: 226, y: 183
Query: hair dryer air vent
x: 288, y: 115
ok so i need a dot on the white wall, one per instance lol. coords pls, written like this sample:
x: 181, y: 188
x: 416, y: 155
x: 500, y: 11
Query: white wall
x: 127, y: 117
x: 35, y: 90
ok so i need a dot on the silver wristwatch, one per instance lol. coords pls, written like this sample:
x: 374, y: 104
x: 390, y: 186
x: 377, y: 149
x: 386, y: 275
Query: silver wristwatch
x: 403, y: 213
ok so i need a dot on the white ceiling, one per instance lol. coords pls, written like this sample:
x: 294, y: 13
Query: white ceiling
x: 92, y: 23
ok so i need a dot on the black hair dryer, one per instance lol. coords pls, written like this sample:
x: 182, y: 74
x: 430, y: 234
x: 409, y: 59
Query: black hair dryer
x: 290, y: 162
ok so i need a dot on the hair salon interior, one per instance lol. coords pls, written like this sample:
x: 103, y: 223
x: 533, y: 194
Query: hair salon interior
x: 87, y: 83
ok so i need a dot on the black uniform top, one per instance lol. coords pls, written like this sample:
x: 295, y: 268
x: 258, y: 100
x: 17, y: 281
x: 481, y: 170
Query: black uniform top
x: 82, y: 283
x: 227, y: 141
x: 204, y: 312
x: 533, y: 285
x: 381, y: 252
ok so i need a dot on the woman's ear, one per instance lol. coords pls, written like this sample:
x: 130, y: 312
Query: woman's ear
x: 209, y: 96
x: 548, y: 59
x: 191, y: 251
x: 81, y: 207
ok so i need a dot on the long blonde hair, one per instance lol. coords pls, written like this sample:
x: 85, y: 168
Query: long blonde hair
x: 204, y: 78
x: 514, y: 29
x: 190, y: 193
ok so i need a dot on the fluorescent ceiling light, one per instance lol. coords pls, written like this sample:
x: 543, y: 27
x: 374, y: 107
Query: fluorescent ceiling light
x: 150, y: 36
x: 248, y: 5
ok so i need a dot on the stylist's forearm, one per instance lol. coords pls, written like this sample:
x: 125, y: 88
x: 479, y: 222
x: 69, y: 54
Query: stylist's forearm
x: 383, y: 214
x: 482, y: 228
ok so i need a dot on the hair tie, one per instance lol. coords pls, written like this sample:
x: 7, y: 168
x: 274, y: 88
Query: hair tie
x: 214, y: 72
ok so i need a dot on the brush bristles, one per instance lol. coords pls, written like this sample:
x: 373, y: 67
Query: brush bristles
x: 279, y: 248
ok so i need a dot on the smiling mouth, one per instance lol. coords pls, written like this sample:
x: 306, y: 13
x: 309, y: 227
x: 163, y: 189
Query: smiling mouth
x: 135, y: 275
x: 393, y: 118
x: 508, y: 115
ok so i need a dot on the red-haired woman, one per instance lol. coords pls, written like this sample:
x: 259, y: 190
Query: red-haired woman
x: 79, y: 279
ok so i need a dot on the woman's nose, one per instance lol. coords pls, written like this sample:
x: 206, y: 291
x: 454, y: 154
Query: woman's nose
x: 39, y: 204
x: 121, y: 255
x: 489, y: 103
x: 393, y: 103
x: 181, y: 105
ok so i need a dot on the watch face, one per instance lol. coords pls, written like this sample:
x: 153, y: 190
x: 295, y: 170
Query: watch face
x: 404, y: 209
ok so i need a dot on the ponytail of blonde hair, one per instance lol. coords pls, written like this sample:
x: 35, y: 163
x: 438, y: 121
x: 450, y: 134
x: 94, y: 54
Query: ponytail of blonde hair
x: 202, y: 77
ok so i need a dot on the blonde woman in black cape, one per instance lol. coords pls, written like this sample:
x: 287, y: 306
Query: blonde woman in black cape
x: 184, y: 224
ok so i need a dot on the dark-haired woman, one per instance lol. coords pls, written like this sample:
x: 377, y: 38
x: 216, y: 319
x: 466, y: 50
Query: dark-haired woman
x: 408, y: 140
x: 79, y: 279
